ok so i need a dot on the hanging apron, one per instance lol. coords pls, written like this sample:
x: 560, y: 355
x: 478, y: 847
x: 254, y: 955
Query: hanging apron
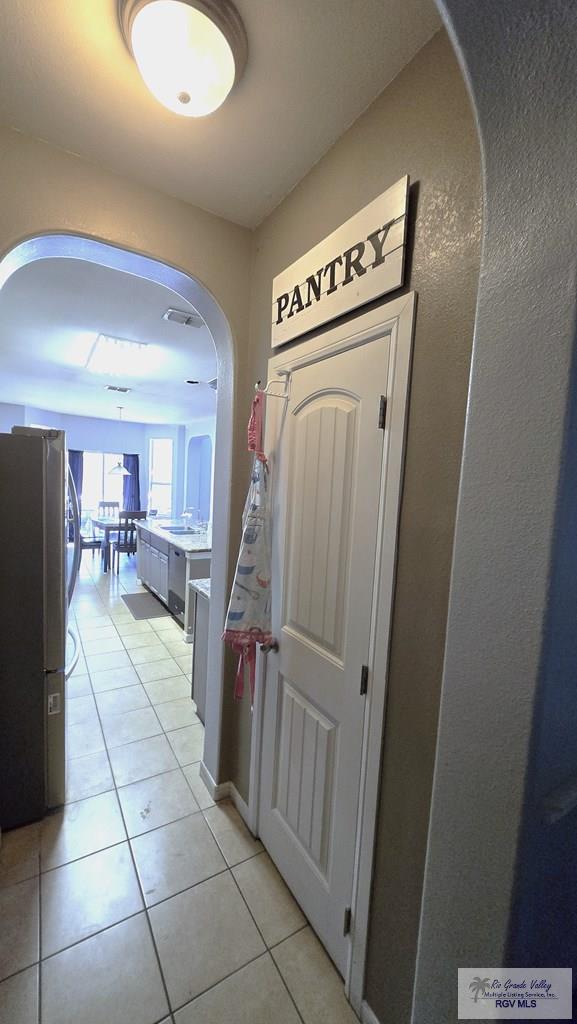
x: 248, y: 621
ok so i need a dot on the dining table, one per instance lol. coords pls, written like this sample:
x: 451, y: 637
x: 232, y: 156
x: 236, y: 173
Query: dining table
x: 108, y: 525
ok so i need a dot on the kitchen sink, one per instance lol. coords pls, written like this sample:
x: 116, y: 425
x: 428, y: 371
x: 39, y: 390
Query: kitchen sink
x: 179, y: 529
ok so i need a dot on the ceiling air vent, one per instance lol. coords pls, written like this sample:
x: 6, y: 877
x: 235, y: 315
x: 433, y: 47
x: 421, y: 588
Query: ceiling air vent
x: 113, y: 387
x: 180, y: 316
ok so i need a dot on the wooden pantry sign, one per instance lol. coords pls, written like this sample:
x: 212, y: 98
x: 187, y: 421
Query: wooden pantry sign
x: 360, y: 261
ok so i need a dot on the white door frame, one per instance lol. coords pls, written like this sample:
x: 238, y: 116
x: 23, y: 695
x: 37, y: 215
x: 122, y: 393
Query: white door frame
x: 397, y: 319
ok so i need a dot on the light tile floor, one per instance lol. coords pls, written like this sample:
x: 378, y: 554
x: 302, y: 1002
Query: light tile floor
x: 142, y: 901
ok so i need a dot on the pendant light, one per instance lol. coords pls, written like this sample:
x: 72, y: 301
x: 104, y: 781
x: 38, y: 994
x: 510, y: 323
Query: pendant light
x: 119, y: 469
x: 189, y: 53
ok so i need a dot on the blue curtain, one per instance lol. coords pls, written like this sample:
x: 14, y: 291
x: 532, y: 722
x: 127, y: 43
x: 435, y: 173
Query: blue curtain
x: 131, y: 484
x: 76, y: 463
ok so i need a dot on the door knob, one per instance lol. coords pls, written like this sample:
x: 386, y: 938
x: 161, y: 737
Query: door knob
x: 272, y: 646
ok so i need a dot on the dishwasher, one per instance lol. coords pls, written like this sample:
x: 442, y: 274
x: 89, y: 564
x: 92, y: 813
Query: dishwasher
x: 176, y: 582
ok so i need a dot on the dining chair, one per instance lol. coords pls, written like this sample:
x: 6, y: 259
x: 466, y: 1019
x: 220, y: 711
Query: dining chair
x: 87, y: 542
x: 93, y: 543
x: 126, y: 540
x: 108, y: 508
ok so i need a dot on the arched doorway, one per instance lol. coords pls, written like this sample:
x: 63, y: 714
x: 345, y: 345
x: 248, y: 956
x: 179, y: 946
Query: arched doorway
x: 91, y: 250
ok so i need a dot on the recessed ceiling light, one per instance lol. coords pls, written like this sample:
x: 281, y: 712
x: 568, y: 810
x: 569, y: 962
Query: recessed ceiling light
x: 180, y: 316
x: 190, y: 53
x: 192, y: 382
x: 113, y: 387
x: 115, y: 357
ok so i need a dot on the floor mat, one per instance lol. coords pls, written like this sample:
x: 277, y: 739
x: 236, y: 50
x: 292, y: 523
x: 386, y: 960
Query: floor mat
x: 144, y: 606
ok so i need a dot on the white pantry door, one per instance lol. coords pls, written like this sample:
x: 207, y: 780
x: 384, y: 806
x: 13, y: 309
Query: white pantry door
x: 327, y: 464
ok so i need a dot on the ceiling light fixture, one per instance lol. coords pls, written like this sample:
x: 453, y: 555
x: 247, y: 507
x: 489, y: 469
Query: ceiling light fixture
x: 119, y: 470
x: 115, y: 357
x: 190, y: 53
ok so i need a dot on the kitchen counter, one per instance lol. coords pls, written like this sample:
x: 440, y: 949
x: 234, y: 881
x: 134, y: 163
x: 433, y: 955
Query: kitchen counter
x: 167, y: 563
x: 201, y: 586
x: 188, y: 542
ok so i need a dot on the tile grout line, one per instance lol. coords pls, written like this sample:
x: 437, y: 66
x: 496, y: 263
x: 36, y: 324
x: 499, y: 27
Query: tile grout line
x: 99, y: 720
x: 237, y: 970
x: 188, y: 888
x: 100, y: 716
x: 267, y: 947
x: 39, y: 937
x: 227, y: 977
x: 133, y: 860
x: 145, y: 778
x: 93, y: 935
x: 21, y: 970
x: 227, y: 868
x: 137, y: 913
x: 138, y: 881
x: 143, y: 898
x: 140, y: 835
x: 291, y: 935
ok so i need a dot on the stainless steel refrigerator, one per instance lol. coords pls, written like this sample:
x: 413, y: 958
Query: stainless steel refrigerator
x: 36, y: 584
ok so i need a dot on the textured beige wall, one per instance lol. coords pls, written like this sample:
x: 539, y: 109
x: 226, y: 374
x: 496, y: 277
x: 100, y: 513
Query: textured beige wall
x: 421, y: 125
x: 45, y: 189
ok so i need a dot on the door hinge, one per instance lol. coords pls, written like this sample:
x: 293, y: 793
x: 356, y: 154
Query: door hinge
x: 364, y: 679
x: 347, y: 920
x: 382, y: 412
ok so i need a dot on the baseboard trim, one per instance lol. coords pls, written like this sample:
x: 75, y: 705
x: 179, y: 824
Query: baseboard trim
x: 240, y: 804
x: 223, y: 791
x: 367, y: 1015
x: 218, y: 791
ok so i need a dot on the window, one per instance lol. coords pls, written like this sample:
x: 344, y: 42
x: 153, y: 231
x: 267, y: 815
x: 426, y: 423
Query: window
x: 97, y: 483
x: 160, y: 475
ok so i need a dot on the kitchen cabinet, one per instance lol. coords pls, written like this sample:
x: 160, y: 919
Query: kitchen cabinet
x: 154, y: 569
x: 163, y: 577
x: 152, y: 563
x: 166, y: 567
x: 143, y: 559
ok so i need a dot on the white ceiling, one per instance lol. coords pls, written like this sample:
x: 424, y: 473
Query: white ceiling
x: 50, y: 314
x: 313, y: 67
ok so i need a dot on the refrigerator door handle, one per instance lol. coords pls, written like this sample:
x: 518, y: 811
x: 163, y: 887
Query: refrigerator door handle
x: 77, y: 539
x: 70, y: 667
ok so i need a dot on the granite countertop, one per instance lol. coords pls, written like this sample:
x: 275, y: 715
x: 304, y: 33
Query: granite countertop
x: 184, y: 541
x: 201, y: 586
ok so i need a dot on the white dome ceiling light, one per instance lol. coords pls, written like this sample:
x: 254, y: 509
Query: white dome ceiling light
x: 190, y: 53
